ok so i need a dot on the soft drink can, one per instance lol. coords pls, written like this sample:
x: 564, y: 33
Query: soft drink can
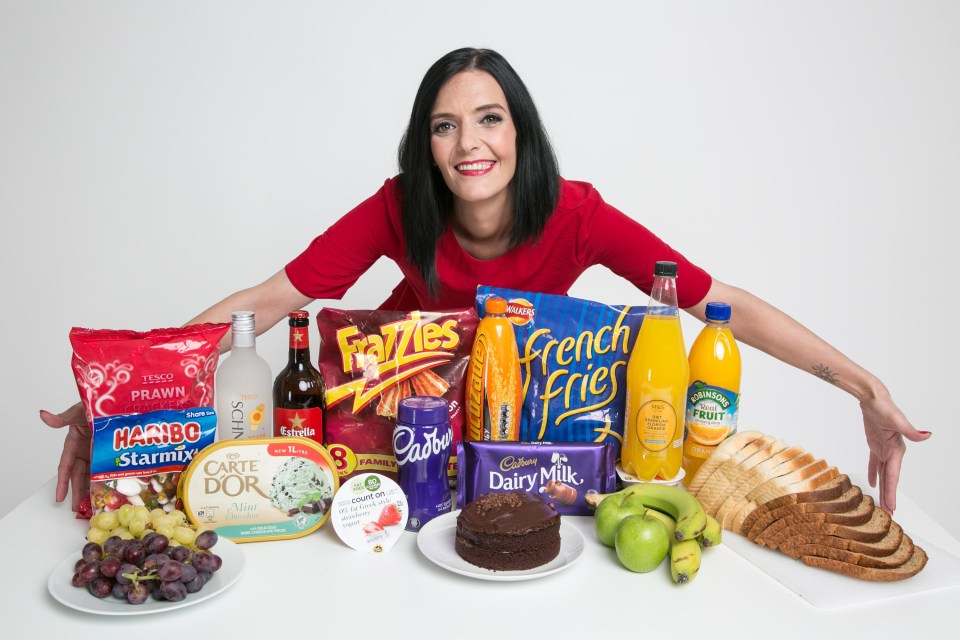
x: 422, y: 442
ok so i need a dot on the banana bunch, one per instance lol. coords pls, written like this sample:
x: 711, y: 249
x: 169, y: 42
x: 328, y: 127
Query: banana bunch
x: 688, y: 527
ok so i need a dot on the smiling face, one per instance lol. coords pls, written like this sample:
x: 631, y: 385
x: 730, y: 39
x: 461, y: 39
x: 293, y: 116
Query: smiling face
x: 474, y: 141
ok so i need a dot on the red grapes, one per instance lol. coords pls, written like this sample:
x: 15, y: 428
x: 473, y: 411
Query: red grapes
x: 132, y: 570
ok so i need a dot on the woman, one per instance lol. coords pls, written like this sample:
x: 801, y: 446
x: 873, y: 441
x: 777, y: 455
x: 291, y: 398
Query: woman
x: 479, y: 200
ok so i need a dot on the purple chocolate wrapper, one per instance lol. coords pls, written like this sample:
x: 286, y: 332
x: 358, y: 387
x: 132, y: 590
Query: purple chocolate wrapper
x: 562, y: 472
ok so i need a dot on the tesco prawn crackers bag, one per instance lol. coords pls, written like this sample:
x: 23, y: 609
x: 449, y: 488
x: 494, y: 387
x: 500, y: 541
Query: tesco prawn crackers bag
x: 573, y: 364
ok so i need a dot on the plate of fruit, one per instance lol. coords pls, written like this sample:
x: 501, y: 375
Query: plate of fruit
x: 167, y: 564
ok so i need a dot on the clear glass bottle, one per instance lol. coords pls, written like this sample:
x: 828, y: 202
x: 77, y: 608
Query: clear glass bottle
x: 298, y: 389
x: 244, y: 382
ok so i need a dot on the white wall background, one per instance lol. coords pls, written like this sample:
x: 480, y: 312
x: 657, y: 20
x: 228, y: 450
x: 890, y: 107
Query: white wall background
x: 155, y: 157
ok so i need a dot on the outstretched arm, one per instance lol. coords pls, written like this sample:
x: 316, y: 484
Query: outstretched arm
x: 767, y: 328
x: 270, y: 300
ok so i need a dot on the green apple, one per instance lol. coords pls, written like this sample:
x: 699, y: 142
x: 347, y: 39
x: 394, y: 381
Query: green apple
x: 611, y: 511
x: 642, y: 542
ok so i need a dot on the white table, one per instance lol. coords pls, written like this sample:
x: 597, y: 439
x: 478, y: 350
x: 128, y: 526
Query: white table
x: 316, y: 587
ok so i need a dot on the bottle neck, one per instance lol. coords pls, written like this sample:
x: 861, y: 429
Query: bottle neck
x: 663, y: 297
x: 299, y: 352
x: 244, y: 340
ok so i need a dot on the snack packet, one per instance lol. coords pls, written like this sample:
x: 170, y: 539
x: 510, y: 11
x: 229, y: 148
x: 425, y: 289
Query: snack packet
x: 370, y: 360
x: 148, y: 397
x: 573, y: 364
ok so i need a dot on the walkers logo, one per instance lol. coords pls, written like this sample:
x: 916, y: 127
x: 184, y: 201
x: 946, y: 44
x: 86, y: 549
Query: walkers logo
x: 521, y: 312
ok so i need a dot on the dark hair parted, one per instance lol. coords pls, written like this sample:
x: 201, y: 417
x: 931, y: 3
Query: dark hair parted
x: 427, y: 202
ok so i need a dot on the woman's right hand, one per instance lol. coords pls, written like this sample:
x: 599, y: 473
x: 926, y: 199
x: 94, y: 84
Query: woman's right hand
x: 74, y: 467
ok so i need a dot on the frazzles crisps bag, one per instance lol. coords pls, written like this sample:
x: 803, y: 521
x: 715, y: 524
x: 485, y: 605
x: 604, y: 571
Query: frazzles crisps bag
x: 148, y: 397
x: 573, y: 364
x: 370, y: 360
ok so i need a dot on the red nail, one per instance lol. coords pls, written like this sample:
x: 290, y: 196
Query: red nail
x: 926, y: 433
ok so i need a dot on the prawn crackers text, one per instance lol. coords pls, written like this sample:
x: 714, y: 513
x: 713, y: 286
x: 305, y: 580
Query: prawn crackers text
x: 370, y: 360
x: 573, y: 364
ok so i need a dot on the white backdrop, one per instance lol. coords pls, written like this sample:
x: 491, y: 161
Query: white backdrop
x: 155, y: 157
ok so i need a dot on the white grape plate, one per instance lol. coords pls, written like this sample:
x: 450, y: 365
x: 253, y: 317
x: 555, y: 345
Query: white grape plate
x: 436, y: 542
x: 80, y: 599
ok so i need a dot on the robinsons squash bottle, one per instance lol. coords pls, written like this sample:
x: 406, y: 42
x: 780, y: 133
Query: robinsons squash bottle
x: 657, y: 377
x: 713, y: 397
x: 244, y: 401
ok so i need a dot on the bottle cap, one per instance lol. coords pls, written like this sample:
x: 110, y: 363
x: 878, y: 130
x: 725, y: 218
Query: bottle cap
x: 718, y: 311
x: 424, y: 410
x: 243, y: 322
x: 495, y: 305
x: 665, y: 268
x: 299, y: 315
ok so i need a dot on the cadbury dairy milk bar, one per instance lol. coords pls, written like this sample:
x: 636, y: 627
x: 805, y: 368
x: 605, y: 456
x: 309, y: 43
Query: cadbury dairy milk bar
x: 563, y: 473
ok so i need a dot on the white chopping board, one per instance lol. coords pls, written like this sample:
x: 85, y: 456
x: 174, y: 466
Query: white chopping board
x: 827, y: 590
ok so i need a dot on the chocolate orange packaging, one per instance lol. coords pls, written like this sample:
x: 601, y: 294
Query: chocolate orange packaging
x: 573, y: 364
x: 370, y: 360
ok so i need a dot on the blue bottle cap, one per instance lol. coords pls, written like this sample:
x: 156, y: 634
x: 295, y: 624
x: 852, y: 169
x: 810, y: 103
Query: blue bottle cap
x: 422, y: 410
x: 718, y: 311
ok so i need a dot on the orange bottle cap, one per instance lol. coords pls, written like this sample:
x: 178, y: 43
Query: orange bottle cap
x: 495, y: 305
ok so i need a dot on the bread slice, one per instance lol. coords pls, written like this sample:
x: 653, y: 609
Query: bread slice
x: 782, y: 528
x: 813, y: 482
x: 902, y: 554
x: 721, y: 454
x: 883, y: 547
x: 743, y: 478
x: 873, y: 530
x: 829, y: 492
x: 766, y: 514
x: 908, y: 569
x: 779, y: 466
x: 714, y: 491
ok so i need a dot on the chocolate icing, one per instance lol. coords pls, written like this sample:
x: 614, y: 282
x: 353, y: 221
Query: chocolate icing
x: 516, y: 513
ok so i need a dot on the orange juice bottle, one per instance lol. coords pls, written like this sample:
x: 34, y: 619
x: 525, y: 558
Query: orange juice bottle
x: 657, y: 374
x: 493, y: 388
x: 713, y: 397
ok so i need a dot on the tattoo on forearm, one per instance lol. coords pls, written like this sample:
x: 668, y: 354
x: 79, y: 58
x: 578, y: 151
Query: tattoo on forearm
x: 823, y: 372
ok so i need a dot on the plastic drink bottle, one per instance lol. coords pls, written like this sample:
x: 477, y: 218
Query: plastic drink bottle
x: 244, y: 381
x: 713, y: 397
x: 493, y: 393
x: 657, y: 377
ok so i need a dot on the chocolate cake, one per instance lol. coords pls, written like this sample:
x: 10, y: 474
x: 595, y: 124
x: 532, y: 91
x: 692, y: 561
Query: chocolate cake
x: 508, y: 531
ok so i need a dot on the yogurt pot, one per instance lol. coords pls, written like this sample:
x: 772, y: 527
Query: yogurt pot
x: 628, y: 479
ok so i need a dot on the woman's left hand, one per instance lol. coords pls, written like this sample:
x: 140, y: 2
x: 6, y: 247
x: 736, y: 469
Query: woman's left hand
x: 886, y: 427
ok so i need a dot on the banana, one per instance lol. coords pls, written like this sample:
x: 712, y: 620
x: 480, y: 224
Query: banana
x: 674, y: 501
x: 669, y: 522
x: 684, y: 560
x: 712, y: 534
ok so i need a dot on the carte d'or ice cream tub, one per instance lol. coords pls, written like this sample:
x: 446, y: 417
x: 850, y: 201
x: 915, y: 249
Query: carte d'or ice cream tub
x: 260, y: 489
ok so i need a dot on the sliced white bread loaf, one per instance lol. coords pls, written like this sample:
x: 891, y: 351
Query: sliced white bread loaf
x: 721, y: 454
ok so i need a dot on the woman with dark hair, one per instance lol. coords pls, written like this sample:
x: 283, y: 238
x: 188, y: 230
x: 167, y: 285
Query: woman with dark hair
x: 479, y: 200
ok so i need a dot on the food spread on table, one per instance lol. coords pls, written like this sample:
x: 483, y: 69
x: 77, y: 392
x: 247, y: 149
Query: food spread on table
x: 527, y: 417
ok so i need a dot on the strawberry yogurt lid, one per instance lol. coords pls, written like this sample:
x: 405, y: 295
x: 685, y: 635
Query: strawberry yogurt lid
x: 369, y: 512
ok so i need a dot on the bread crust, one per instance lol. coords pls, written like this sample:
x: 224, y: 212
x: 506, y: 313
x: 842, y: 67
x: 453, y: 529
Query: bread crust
x: 829, y: 492
x: 908, y: 569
